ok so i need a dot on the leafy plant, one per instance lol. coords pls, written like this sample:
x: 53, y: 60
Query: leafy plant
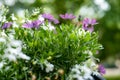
x: 40, y: 48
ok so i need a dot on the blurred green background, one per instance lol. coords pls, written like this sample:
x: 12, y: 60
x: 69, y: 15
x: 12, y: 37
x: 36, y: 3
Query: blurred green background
x: 107, y: 13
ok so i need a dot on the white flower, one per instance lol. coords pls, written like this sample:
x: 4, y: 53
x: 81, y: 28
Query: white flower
x: 81, y: 72
x: 14, y: 49
x: 96, y: 73
x: 49, y: 66
x: 76, y: 71
x: 15, y: 43
x: 48, y: 27
x: 23, y: 56
x: 13, y: 17
x: 11, y: 57
x: 51, y: 27
x: 4, y: 19
x: 12, y: 54
x: 88, y: 77
x: 41, y: 18
x: 77, y: 66
x: 14, y: 24
x: 44, y: 27
x: 2, y: 39
x: 3, y: 34
x: 11, y: 37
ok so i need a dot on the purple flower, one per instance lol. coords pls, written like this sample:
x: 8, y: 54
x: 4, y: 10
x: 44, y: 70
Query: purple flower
x: 67, y: 16
x: 6, y: 25
x: 33, y: 24
x: 88, y: 24
x: 55, y: 21
x: 101, y: 69
x: 49, y: 17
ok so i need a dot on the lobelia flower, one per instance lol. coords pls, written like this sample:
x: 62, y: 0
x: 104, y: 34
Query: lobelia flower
x: 50, y: 18
x: 88, y: 24
x: 101, y: 69
x: 67, y: 16
x: 33, y: 24
x: 6, y: 25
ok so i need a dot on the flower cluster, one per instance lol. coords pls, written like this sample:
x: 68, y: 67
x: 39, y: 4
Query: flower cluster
x: 86, y: 71
x: 40, y: 48
x: 12, y: 49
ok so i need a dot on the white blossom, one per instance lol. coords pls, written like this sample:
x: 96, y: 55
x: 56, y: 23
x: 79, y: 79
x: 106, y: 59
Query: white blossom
x: 3, y: 34
x: 23, y: 56
x: 2, y: 39
x: 11, y: 57
x: 13, y: 17
x: 51, y: 27
x: 48, y: 27
x: 41, y: 18
x: 13, y: 48
x: 15, y: 43
x: 83, y: 71
x: 49, y: 66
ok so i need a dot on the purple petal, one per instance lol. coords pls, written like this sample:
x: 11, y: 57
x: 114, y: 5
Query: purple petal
x: 86, y: 21
x: 101, y: 69
x: 91, y: 29
x: 28, y: 25
x: 33, y: 24
x: 6, y: 25
x: 48, y: 17
x: 56, y: 21
x: 62, y: 16
x: 84, y: 27
x: 67, y: 16
x: 93, y: 21
x: 36, y: 23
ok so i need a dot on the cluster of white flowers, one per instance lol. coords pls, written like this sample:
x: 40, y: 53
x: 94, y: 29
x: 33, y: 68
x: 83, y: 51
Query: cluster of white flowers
x: 83, y: 72
x: 3, y: 11
x: 49, y: 66
x: 13, y: 49
x: 48, y: 27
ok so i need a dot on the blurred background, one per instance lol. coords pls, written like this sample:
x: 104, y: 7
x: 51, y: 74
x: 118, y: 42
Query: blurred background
x: 107, y: 13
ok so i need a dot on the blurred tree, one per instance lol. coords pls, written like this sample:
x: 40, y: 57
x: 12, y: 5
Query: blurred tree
x: 110, y: 29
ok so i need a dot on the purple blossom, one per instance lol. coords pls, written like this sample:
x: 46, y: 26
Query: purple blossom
x: 6, y: 25
x: 67, y: 16
x: 101, y: 69
x: 49, y: 17
x: 33, y: 24
x: 88, y: 24
x: 55, y: 21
